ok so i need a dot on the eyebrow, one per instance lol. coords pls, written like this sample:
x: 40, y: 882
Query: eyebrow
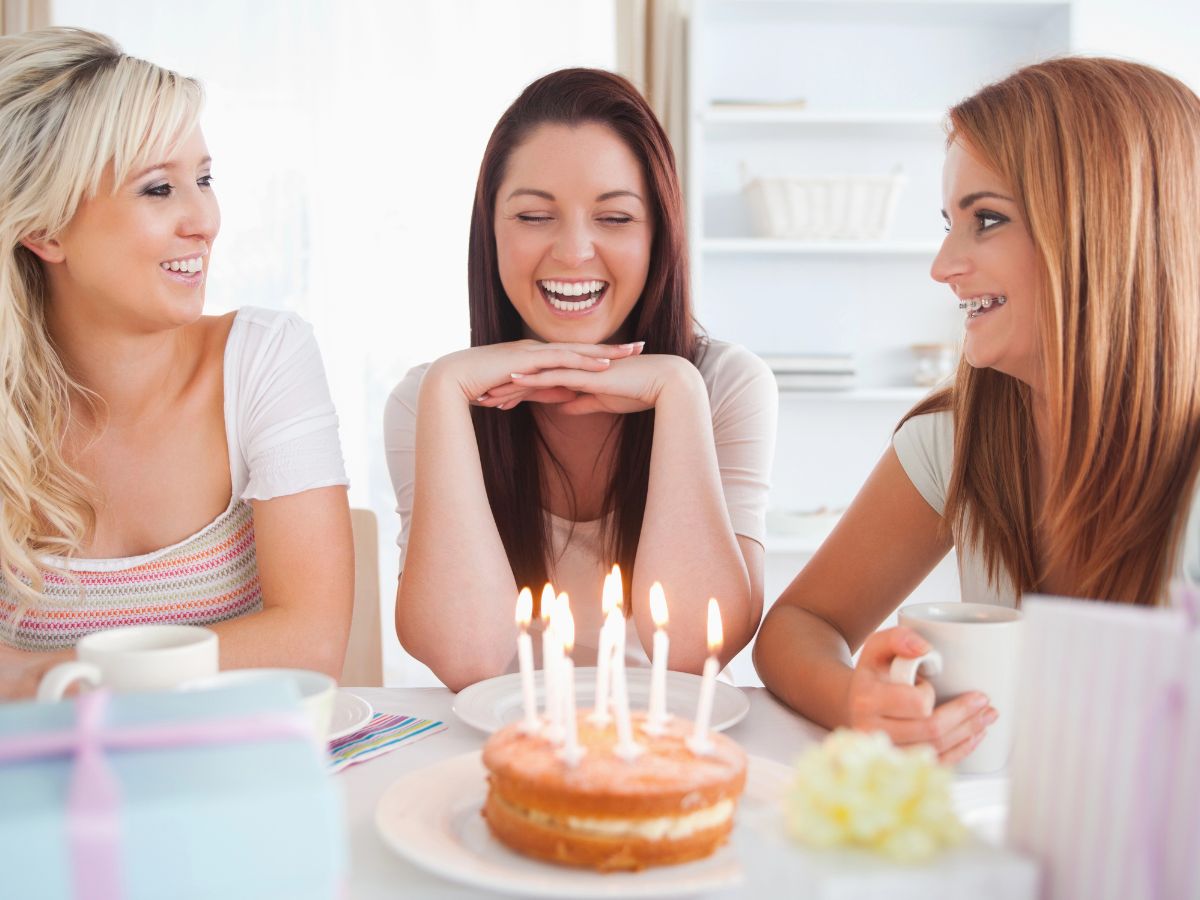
x: 165, y: 165
x: 546, y: 195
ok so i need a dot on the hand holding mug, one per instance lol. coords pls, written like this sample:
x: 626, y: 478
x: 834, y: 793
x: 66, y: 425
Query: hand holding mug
x: 907, y: 712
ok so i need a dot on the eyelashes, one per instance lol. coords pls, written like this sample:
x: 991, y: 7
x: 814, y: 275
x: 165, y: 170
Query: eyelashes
x: 531, y: 219
x: 165, y: 188
x: 985, y: 220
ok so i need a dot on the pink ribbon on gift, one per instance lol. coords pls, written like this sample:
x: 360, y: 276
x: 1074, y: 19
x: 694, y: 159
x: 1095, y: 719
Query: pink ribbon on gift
x: 1162, y: 733
x: 94, y: 796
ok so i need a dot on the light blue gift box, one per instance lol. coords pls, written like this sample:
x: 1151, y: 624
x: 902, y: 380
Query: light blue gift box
x: 242, y: 819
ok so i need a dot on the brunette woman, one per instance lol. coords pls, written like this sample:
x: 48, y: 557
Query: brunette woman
x: 589, y: 423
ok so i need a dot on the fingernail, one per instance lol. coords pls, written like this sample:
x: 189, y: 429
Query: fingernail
x: 990, y: 716
x: 605, y: 361
x: 917, y: 644
x: 481, y: 398
x: 515, y: 376
x: 978, y: 701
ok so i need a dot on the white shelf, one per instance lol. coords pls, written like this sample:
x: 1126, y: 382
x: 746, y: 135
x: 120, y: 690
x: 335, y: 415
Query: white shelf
x: 780, y: 115
x: 903, y: 394
x: 743, y: 246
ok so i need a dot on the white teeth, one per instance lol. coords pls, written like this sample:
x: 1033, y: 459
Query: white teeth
x: 187, y: 266
x: 572, y: 306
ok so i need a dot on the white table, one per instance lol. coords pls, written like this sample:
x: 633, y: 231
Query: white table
x: 769, y: 730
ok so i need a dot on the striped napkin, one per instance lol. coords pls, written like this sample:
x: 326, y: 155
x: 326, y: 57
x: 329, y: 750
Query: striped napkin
x: 381, y: 735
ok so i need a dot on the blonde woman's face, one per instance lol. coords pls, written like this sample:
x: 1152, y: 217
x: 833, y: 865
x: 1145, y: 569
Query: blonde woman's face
x: 139, y: 255
x: 988, y: 259
x: 573, y: 233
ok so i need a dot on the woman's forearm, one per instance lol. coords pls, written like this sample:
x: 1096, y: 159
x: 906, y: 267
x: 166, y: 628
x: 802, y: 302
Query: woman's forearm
x: 687, y: 541
x: 805, y: 662
x: 454, y: 605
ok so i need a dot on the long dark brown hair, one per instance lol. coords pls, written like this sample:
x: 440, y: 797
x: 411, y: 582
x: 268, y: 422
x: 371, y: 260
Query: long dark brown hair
x: 511, y: 449
x: 1104, y: 157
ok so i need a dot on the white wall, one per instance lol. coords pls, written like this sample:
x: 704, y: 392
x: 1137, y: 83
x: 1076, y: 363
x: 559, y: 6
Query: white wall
x: 1161, y: 33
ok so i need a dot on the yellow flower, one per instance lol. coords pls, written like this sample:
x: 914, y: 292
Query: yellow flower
x: 859, y: 790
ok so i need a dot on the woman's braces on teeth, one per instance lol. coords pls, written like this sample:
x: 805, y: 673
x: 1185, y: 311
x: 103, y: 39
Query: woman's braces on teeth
x: 976, y: 304
x: 557, y: 291
x: 196, y: 264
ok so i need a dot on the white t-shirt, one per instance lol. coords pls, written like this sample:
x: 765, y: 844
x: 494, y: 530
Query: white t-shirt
x: 282, y: 438
x: 925, y: 446
x: 744, y: 403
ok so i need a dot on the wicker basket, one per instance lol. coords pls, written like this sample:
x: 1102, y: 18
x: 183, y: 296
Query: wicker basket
x: 817, y: 208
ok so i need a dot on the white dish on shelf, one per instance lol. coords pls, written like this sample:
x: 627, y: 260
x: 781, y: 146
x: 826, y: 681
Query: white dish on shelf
x: 495, y: 702
x: 981, y: 801
x: 350, y: 713
x: 431, y: 818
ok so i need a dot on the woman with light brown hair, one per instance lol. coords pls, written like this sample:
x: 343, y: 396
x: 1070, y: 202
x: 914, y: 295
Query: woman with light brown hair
x: 1063, y: 458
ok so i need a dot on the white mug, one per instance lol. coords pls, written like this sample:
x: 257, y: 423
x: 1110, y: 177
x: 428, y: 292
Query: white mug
x: 137, y: 658
x: 315, y: 691
x: 976, y: 647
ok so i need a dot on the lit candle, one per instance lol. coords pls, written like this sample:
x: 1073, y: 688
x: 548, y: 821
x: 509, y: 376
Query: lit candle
x: 525, y: 660
x: 551, y: 653
x: 656, y: 714
x: 610, y: 600
x: 699, y: 741
x: 565, y: 626
x: 627, y: 748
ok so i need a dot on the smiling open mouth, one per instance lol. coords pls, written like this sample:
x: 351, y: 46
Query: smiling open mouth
x: 573, y: 296
x: 978, y: 306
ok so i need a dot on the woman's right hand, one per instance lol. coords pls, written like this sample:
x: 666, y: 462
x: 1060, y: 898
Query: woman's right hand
x: 478, y: 370
x: 906, y: 713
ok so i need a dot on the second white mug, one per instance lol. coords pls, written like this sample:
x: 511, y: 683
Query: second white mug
x: 978, y: 647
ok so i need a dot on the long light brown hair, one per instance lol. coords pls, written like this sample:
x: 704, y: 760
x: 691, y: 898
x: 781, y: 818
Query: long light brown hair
x: 1104, y: 159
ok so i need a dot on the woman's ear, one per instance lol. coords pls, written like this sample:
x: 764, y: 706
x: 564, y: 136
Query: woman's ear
x: 44, y: 248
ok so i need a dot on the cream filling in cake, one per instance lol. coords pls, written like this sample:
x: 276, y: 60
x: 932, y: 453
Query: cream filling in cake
x: 652, y: 829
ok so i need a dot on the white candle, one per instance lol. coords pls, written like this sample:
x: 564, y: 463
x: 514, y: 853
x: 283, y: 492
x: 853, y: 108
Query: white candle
x: 565, y: 625
x: 610, y: 600
x: 699, y: 741
x: 627, y: 748
x: 525, y: 660
x: 551, y: 654
x: 656, y: 714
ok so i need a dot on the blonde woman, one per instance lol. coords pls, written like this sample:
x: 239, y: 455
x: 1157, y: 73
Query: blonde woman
x: 1063, y: 459
x: 156, y: 464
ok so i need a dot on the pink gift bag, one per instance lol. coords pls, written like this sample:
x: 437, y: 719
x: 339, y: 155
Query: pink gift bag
x: 1105, y: 774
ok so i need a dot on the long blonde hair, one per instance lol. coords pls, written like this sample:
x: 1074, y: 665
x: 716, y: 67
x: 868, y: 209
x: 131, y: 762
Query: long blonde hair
x: 1104, y: 159
x: 72, y: 107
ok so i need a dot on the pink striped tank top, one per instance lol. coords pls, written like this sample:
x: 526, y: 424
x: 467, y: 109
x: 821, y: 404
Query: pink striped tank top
x: 210, y: 577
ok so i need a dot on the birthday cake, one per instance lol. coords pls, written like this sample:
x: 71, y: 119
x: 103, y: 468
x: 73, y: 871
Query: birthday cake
x: 666, y: 805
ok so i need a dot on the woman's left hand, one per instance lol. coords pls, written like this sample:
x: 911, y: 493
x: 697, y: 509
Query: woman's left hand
x: 629, y: 385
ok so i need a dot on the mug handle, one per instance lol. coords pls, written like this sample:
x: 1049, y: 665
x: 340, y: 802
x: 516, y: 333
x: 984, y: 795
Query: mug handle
x: 905, y: 668
x: 56, y: 681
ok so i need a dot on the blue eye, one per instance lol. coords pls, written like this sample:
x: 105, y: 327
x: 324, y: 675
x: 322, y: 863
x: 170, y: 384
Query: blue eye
x: 205, y: 181
x: 162, y: 189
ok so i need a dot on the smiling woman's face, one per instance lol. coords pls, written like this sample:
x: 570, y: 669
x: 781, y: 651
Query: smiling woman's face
x: 573, y: 233
x: 989, y: 260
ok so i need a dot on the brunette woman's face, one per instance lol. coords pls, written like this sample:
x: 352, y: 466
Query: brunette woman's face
x: 989, y: 260
x: 573, y: 233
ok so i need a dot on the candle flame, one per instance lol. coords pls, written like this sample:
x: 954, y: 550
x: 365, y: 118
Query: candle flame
x: 547, y: 605
x: 614, y: 592
x: 524, y: 607
x: 658, y: 605
x: 564, y: 623
x: 715, y: 636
